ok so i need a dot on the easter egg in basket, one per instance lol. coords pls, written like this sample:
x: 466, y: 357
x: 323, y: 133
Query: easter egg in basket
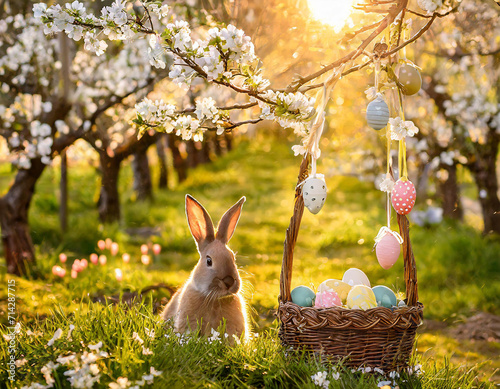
x: 384, y: 296
x: 341, y: 288
x: 355, y: 276
x: 327, y: 299
x: 303, y: 296
x: 361, y: 297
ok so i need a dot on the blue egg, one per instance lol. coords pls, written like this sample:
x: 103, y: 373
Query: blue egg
x: 384, y: 296
x: 377, y: 113
x: 303, y: 296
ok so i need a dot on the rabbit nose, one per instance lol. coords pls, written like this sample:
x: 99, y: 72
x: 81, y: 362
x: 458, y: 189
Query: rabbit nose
x: 229, y: 281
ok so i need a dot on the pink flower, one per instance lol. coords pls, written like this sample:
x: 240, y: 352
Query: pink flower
x: 156, y: 249
x: 108, y: 243
x: 114, y: 248
x: 63, y: 258
x: 118, y: 275
x: 74, y: 274
x: 102, y: 259
x: 62, y: 272
x: 56, y: 269
x: 145, y: 259
x: 126, y: 257
x: 94, y: 258
x: 76, y: 266
x: 144, y: 249
x: 101, y: 244
x: 84, y: 263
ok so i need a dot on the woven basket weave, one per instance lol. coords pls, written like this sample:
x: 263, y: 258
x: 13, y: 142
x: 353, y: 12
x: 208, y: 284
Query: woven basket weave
x: 378, y: 337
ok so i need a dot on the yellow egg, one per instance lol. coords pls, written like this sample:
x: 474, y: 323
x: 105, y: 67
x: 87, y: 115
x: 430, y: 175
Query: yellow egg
x: 340, y: 287
x: 361, y: 297
x: 409, y: 78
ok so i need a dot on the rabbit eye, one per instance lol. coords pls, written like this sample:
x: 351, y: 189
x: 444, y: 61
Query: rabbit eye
x: 209, y: 261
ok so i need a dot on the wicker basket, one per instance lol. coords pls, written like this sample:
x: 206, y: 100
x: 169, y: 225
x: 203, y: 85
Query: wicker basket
x: 378, y: 337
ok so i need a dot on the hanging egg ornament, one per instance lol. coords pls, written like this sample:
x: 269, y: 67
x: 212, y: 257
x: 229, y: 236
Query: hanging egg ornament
x: 377, y: 113
x: 387, y: 251
x: 303, y: 296
x: 314, y: 193
x: 403, y: 196
x: 409, y: 78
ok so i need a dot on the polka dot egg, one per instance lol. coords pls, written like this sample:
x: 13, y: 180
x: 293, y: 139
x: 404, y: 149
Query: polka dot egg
x: 327, y: 299
x: 314, y: 194
x: 403, y: 196
x: 409, y: 78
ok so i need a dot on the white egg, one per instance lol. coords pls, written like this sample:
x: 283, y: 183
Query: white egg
x: 314, y: 194
x: 355, y: 276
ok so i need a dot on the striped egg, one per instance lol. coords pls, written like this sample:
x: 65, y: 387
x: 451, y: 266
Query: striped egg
x: 377, y: 113
x: 403, y: 196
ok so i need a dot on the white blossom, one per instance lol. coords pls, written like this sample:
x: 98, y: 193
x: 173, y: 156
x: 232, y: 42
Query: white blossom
x: 401, y: 129
x: 56, y: 336
x: 319, y: 379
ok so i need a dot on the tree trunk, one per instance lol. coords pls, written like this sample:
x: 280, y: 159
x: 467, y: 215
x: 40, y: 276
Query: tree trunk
x: 229, y: 141
x: 193, y: 157
x: 109, y: 198
x: 63, y: 188
x: 180, y: 165
x: 450, y: 193
x: 143, y: 186
x: 162, y: 160
x: 485, y: 175
x: 218, y: 145
x: 14, y: 206
x: 205, y: 151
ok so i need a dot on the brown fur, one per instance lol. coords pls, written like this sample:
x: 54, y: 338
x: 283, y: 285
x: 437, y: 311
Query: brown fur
x: 206, y: 299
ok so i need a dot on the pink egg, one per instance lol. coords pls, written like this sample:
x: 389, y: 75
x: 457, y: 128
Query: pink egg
x: 387, y: 251
x: 403, y: 196
x: 327, y: 299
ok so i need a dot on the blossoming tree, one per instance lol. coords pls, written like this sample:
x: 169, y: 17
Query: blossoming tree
x: 40, y: 119
x: 461, y: 85
x: 223, y: 56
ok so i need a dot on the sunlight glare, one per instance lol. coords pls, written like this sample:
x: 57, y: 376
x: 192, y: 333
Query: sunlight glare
x: 332, y: 12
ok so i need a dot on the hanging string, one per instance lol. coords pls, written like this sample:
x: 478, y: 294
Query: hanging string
x: 322, y: 97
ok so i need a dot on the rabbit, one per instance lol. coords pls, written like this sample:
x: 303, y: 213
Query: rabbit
x: 212, y: 291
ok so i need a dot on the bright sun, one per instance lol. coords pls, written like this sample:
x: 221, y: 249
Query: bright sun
x: 332, y: 12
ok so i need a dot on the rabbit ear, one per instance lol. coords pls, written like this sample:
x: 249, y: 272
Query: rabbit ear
x: 228, y: 221
x: 199, y: 222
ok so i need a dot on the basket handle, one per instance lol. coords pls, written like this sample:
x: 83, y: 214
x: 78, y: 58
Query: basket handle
x: 292, y: 233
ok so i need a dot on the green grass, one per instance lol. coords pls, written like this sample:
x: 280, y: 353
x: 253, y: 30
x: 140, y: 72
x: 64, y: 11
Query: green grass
x: 458, y: 273
x: 187, y: 361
